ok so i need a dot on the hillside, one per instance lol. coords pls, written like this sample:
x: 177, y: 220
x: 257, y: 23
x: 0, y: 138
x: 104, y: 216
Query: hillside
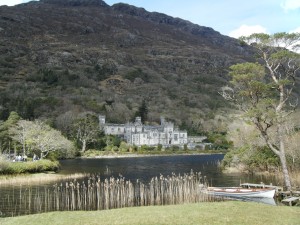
x: 59, y: 57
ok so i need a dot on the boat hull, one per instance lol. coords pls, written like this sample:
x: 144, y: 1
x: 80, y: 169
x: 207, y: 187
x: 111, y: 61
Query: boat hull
x: 242, y: 192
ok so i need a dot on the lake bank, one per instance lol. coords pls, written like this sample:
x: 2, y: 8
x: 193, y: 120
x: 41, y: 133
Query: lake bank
x: 110, y: 155
x: 200, y: 213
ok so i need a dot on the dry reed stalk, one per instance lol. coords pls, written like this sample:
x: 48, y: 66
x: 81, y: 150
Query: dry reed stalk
x: 111, y: 193
x: 35, y: 179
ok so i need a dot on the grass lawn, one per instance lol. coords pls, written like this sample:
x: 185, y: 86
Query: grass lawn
x: 202, y: 213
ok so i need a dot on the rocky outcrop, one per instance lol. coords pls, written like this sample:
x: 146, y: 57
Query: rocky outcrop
x: 76, y: 2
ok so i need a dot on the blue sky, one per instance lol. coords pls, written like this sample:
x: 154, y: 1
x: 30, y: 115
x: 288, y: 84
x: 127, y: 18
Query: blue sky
x: 230, y: 17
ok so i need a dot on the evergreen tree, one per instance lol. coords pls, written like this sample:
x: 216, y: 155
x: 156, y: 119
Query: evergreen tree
x: 143, y: 112
x: 264, y: 92
x: 5, y: 140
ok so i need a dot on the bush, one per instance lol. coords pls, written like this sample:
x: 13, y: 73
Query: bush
x: 94, y: 153
x: 253, y: 160
x: 3, y: 166
x: 28, y: 167
x: 124, y: 147
x: 137, y: 73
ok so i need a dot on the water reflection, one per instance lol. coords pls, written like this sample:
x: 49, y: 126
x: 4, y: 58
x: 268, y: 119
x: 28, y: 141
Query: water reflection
x: 136, y: 168
x: 144, y: 168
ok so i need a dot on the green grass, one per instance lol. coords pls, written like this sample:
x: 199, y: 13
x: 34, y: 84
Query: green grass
x: 28, y: 167
x: 202, y: 213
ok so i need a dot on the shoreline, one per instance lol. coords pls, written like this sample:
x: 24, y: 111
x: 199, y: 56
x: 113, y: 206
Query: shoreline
x: 47, y: 177
x: 134, y: 155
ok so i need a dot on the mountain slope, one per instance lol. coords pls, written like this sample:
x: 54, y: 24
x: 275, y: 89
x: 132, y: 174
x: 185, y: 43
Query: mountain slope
x: 70, y: 56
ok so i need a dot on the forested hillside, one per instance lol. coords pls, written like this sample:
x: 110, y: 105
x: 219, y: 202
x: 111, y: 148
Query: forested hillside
x: 61, y: 58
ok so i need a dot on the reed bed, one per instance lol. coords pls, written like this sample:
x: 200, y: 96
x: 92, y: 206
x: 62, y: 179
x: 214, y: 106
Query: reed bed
x: 40, y: 178
x: 97, y: 194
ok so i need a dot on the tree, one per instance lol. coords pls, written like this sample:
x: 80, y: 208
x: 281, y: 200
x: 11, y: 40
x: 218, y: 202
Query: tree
x: 264, y: 90
x: 143, y: 112
x: 38, y: 136
x: 20, y: 132
x: 5, y: 139
x: 292, y: 141
x: 87, y: 129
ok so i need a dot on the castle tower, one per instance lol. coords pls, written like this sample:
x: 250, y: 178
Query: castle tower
x: 101, y: 121
x: 138, y: 119
x: 162, y: 120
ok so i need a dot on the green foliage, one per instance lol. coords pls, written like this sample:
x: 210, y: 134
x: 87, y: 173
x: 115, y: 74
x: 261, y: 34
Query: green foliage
x: 143, y: 112
x: 124, y: 147
x: 219, y: 141
x: 112, y: 140
x: 67, y: 153
x: 146, y: 148
x: 28, y: 167
x: 137, y: 73
x: 185, y: 148
x: 5, y: 139
x: 39, y: 137
x: 159, y: 147
x: 244, y: 73
x: 92, y: 153
x: 191, y: 130
x: 264, y: 93
x: 253, y: 160
x: 48, y: 76
x: 104, y: 70
x: 86, y: 130
x: 93, y: 106
x: 262, y: 159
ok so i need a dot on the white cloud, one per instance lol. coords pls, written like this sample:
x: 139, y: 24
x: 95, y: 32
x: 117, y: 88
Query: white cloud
x: 290, y: 5
x: 13, y: 2
x: 246, y: 30
x: 10, y: 2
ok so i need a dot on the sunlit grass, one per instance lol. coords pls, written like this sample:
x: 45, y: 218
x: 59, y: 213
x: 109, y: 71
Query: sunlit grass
x: 200, y: 213
x: 39, y: 178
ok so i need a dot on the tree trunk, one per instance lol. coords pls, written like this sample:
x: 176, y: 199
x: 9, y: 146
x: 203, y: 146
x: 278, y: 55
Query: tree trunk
x: 282, y: 158
x: 24, y: 150
x: 83, y: 146
x: 280, y: 153
x: 285, y: 171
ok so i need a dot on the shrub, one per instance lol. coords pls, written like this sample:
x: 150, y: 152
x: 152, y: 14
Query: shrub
x: 137, y: 73
x: 28, y: 167
x: 124, y: 147
x: 256, y: 159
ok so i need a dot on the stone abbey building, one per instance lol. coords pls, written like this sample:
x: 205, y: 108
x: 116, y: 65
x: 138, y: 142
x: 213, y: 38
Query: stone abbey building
x: 136, y: 133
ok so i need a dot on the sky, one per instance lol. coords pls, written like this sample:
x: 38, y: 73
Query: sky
x: 234, y: 18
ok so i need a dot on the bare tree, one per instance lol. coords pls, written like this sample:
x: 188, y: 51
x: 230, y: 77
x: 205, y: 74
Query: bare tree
x: 20, y: 133
x: 37, y: 135
x: 87, y: 129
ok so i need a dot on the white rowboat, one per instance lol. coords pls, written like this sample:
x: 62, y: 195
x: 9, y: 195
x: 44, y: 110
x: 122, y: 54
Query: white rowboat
x: 242, y: 192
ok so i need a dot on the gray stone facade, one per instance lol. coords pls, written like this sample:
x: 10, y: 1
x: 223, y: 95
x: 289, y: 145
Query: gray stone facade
x: 138, y: 134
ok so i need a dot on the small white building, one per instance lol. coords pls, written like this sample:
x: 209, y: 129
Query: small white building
x: 139, y: 134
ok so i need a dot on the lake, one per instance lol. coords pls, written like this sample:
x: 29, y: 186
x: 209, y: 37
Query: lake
x: 24, y: 200
x: 144, y: 168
